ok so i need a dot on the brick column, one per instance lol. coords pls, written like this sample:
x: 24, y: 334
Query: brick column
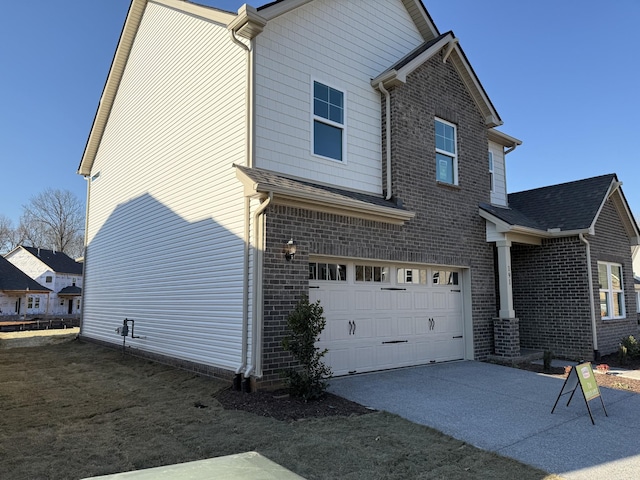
x: 506, y: 337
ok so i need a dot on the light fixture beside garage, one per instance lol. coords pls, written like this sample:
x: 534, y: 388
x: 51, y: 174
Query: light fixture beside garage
x: 289, y: 250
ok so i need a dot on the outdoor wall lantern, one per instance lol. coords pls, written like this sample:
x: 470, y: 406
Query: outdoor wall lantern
x: 289, y: 250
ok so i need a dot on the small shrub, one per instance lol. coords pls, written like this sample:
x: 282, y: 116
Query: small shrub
x: 546, y: 359
x: 305, y: 323
x: 632, y: 346
x: 622, y: 354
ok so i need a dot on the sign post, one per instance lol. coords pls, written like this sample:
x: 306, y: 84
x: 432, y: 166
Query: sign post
x: 581, y: 375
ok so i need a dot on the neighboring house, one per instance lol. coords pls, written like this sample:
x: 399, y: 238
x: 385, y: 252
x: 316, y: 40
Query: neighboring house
x: 19, y: 293
x: 335, y: 149
x: 55, y: 270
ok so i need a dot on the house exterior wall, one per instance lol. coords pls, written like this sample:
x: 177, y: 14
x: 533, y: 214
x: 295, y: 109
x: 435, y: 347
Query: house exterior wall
x: 447, y: 229
x: 499, y: 193
x: 611, y: 244
x: 165, y: 224
x: 343, y: 45
x: 550, y: 297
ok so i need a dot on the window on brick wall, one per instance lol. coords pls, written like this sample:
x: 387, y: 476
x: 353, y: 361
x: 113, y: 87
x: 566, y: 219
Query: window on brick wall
x: 446, y: 152
x: 611, y: 290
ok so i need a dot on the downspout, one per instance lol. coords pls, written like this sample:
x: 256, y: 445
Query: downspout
x: 387, y: 99
x: 257, y: 314
x: 84, y: 251
x: 596, y: 353
x: 249, y: 100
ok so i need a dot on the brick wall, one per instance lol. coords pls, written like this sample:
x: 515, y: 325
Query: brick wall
x: 550, y: 296
x: 611, y: 244
x: 551, y: 291
x: 446, y: 230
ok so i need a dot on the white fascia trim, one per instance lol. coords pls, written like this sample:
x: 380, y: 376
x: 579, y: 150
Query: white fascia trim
x: 202, y: 11
x: 281, y: 8
x: 393, y: 77
x: 421, y: 19
x: 291, y: 196
x: 131, y: 24
x: 504, y: 227
x: 502, y: 138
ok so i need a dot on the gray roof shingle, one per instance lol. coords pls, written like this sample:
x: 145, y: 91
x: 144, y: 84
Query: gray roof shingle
x: 12, y: 278
x: 58, y: 262
x: 567, y: 206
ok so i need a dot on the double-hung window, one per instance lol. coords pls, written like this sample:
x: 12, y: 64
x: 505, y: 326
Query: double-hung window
x: 611, y: 290
x: 328, y: 122
x: 446, y: 152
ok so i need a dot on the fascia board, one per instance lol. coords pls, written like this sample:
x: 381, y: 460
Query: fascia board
x: 275, y: 10
x: 129, y: 31
x: 492, y: 119
x: 502, y: 138
x: 217, y: 16
x: 628, y: 220
x: 421, y: 18
x: 504, y: 227
x: 291, y: 196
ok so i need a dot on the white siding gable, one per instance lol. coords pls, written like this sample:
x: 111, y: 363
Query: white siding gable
x: 165, y: 228
x: 499, y: 193
x: 341, y: 44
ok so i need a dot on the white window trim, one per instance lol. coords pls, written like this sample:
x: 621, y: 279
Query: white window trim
x: 492, y: 177
x: 637, y: 301
x: 446, y: 153
x: 610, y: 291
x: 342, y: 126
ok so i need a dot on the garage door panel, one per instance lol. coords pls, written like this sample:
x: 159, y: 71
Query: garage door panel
x: 379, y: 325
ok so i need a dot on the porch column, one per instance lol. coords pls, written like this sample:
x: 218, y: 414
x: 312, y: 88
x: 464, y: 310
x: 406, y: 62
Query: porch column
x: 504, y: 274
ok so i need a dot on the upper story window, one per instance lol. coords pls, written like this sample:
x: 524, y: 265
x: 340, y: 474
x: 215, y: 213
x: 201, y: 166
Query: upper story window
x: 48, y: 279
x: 446, y: 152
x: 73, y: 282
x: 611, y: 290
x: 328, y: 122
x: 491, y: 180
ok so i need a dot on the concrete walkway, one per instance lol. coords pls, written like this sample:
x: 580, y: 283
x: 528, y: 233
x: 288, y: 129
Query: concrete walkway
x: 508, y: 411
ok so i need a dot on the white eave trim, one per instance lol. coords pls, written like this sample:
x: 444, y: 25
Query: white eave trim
x: 504, y: 227
x: 310, y: 201
x: 502, y: 138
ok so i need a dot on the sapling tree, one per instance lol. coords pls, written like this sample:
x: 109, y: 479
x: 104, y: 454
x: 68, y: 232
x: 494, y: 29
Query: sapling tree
x: 309, y: 379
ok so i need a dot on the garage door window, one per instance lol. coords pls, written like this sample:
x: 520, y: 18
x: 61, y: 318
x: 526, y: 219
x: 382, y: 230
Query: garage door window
x: 328, y: 271
x: 445, y: 277
x: 412, y: 275
x: 372, y: 273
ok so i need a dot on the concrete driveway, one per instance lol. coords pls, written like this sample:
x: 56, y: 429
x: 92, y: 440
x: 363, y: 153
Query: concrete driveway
x: 508, y: 411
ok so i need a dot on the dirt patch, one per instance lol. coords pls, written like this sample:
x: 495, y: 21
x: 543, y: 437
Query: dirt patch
x: 77, y: 410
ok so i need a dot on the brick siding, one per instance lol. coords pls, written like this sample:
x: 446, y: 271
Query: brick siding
x: 447, y: 229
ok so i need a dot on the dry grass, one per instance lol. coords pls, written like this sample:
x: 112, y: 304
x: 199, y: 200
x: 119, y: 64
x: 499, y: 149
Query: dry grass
x: 76, y: 410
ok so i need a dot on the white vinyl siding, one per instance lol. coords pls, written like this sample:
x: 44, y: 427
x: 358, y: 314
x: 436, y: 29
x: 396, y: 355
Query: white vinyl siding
x: 499, y: 193
x: 165, y: 229
x: 357, y: 41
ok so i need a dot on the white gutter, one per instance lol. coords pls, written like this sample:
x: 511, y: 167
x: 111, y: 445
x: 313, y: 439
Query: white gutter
x: 387, y: 99
x: 84, y: 253
x: 591, y: 293
x: 257, y: 313
x: 245, y: 286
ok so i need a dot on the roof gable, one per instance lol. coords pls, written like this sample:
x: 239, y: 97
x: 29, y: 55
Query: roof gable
x: 57, y: 261
x: 14, y: 279
x: 564, y: 209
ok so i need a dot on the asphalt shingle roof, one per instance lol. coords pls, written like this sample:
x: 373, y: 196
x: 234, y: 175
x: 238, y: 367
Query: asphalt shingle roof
x: 70, y: 291
x: 58, y: 262
x: 567, y: 206
x: 12, y: 278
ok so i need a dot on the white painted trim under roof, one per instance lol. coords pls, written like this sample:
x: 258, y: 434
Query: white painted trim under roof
x: 502, y: 138
x: 393, y: 78
x: 283, y: 195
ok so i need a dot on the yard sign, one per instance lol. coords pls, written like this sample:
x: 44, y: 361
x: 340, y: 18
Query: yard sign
x: 581, y: 375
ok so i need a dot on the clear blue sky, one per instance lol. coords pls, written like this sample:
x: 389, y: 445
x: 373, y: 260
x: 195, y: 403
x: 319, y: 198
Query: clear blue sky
x: 563, y: 75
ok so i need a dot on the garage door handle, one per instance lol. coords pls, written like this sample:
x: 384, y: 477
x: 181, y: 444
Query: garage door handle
x: 392, y: 288
x: 396, y: 341
x: 459, y: 336
x: 352, y: 327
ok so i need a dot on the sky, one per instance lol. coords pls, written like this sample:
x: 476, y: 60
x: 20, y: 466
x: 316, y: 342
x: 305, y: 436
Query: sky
x: 563, y: 75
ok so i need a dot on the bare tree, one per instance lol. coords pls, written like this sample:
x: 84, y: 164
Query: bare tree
x: 53, y: 219
x: 7, y: 234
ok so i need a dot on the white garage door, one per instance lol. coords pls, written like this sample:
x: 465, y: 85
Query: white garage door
x: 382, y: 316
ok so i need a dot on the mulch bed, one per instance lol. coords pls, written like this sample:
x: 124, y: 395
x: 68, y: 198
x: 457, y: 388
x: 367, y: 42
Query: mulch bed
x: 279, y: 405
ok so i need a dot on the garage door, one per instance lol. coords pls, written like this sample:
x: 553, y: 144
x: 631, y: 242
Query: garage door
x: 387, y: 316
